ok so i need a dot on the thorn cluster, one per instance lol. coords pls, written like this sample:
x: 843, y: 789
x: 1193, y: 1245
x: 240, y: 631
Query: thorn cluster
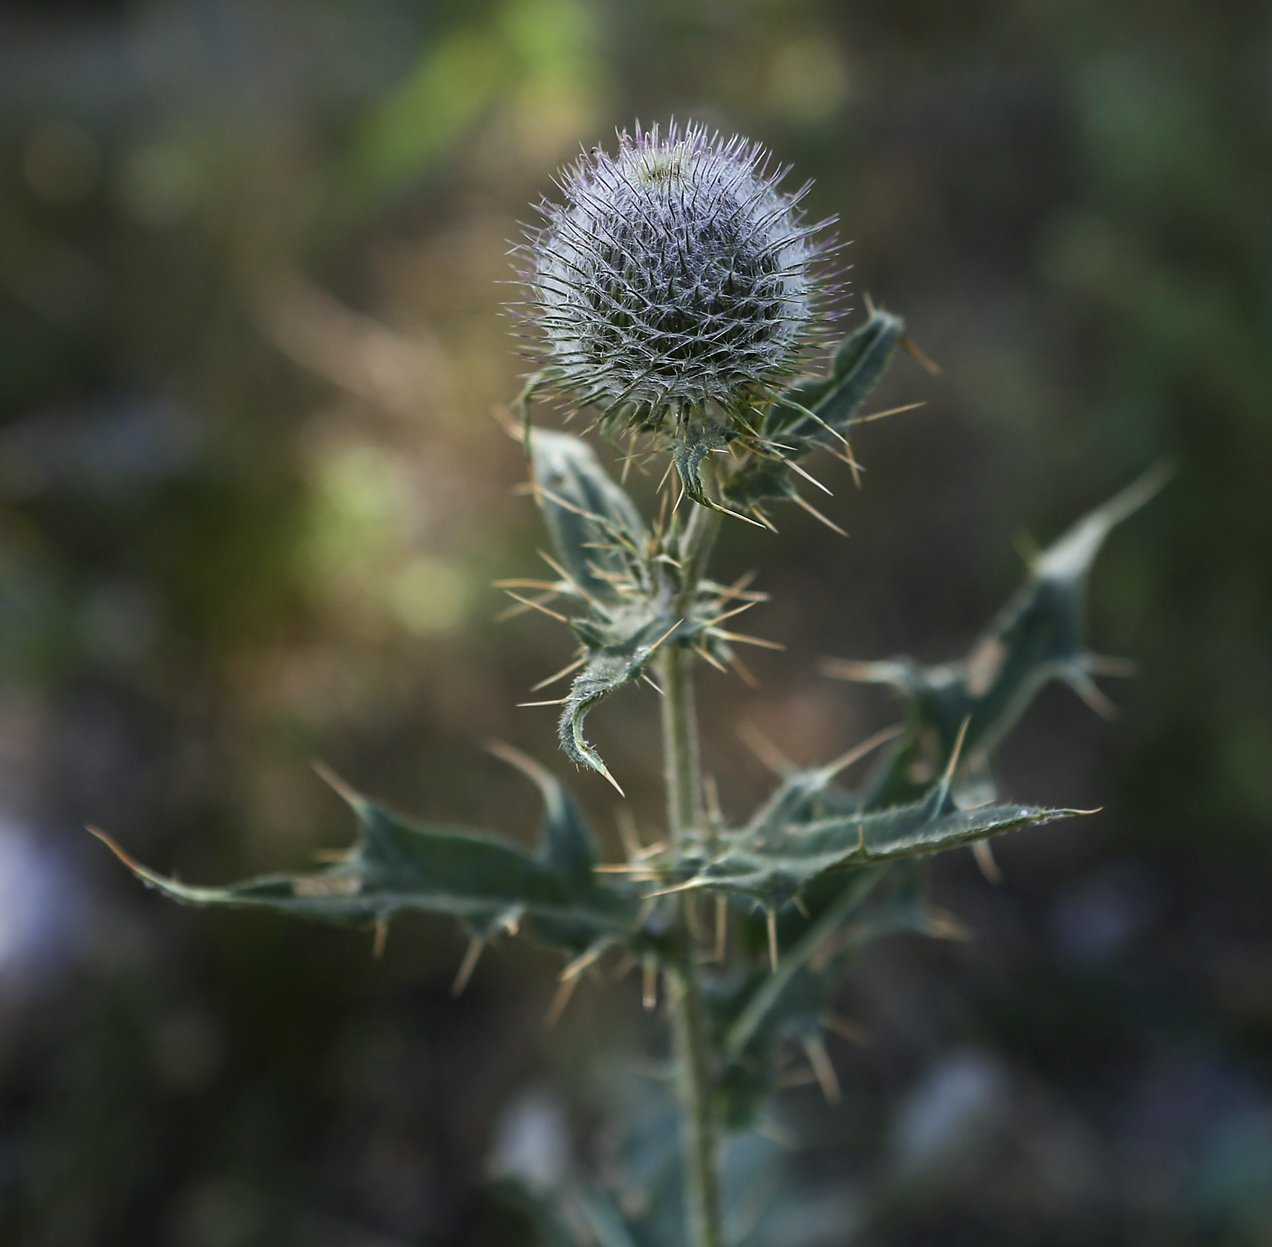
x: 674, y: 275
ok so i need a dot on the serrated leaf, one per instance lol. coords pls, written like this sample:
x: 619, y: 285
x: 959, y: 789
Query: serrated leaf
x: 774, y: 866
x: 595, y: 527
x: 1037, y: 637
x: 394, y: 865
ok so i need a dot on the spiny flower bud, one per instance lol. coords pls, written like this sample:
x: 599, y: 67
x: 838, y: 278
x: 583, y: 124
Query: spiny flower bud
x: 674, y: 276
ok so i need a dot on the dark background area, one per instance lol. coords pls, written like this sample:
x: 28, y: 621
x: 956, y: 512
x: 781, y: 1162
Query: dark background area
x: 253, y: 493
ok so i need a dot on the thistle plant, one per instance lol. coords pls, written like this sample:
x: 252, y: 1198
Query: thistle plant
x: 678, y: 295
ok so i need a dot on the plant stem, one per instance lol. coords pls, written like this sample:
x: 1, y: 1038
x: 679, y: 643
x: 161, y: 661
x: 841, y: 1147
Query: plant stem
x: 690, y: 1032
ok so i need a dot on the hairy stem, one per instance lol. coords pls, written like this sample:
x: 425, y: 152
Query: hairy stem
x: 690, y: 1032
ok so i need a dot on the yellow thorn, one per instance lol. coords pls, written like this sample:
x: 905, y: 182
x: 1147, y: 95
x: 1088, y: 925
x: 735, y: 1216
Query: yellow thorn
x: 823, y: 1067
x: 771, y: 921
x: 679, y: 887
x: 1102, y: 664
x: 560, y: 571
x: 581, y: 962
x: 559, y: 1001
x: 711, y: 794
x: 628, y: 832
x: 958, y: 749
x: 985, y: 860
x: 742, y: 639
x: 1090, y: 692
x: 853, y: 466
x: 127, y: 860
x: 381, y: 938
x: 467, y: 966
x: 649, y: 984
x: 929, y: 366
x: 764, y: 749
x: 538, y: 606
x: 654, y: 647
x: 552, y: 679
x: 335, y: 783
x: 816, y: 514
x: 857, y: 752
x: 808, y: 476
x: 847, y: 1030
x: 892, y: 411
x: 943, y: 925
x: 721, y: 927
x: 744, y: 672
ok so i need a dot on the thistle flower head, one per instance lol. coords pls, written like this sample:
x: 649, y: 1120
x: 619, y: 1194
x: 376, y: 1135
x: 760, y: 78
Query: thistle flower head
x: 675, y: 274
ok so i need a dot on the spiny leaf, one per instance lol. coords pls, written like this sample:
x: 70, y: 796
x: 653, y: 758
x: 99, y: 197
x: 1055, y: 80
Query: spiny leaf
x: 755, y: 1015
x: 595, y: 527
x: 773, y: 994
x: 774, y: 867
x: 1036, y: 638
x: 856, y: 368
x: 564, y: 837
x: 607, y: 669
x: 811, y: 414
x: 394, y: 866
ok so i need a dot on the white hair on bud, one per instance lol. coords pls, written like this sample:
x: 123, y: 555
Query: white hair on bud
x: 674, y: 275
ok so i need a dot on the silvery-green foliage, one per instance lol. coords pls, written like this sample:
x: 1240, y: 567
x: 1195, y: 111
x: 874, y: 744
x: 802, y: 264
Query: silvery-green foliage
x: 675, y: 291
x: 623, y: 579
x: 489, y: 884
x: 1038, y: 636
x: 675, y: 275
x: 956, y: 715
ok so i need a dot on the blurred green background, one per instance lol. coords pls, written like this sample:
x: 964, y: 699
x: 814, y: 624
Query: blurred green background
x: 253, y: 493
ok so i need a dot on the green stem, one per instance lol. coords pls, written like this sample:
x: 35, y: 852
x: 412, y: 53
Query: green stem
x: 690, y: 1032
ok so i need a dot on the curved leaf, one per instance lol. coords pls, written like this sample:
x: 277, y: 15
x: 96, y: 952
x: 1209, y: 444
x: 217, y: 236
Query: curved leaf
x: 606, y: 669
